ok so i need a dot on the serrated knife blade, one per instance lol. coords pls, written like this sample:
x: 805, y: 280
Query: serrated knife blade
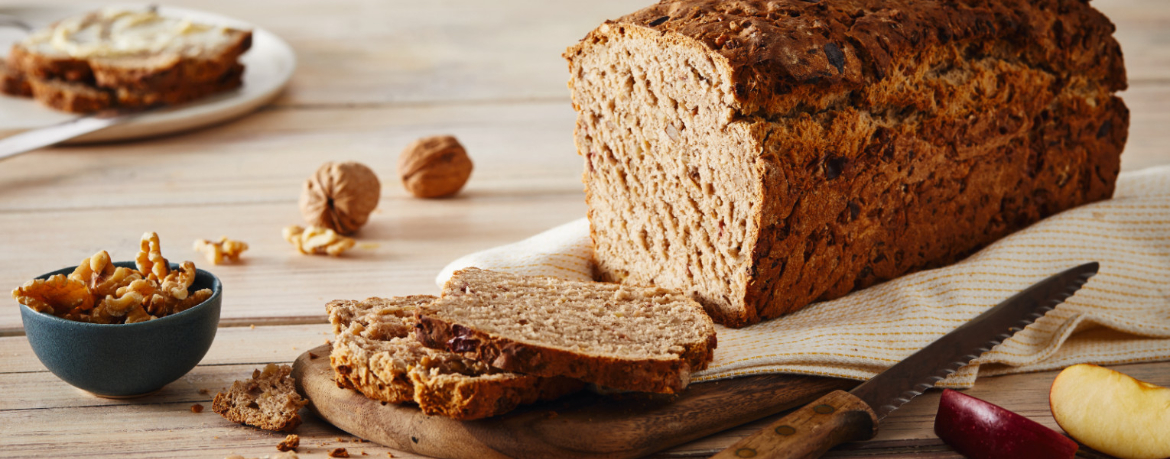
x: 847, y: 416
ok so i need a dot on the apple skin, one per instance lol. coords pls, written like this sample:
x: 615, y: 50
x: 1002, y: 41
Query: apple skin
x: 1112, y: 412
x: 980, y: 430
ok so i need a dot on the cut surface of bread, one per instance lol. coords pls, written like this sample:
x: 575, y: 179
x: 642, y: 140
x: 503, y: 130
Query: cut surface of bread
x: 134, y: 49
x: 373, y: 354
x: 617, y: 336
x: 760, y: 155
x: 269, y: 400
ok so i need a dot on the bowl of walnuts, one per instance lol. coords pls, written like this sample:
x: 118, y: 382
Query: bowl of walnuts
x: 121, y: 329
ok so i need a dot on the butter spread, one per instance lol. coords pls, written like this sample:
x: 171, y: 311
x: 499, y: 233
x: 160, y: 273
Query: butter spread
x: 118, y: 33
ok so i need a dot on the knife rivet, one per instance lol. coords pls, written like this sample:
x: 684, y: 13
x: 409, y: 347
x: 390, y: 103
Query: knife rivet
x: 745, y: 452
x: 823, y: 409
x: 785, y: 430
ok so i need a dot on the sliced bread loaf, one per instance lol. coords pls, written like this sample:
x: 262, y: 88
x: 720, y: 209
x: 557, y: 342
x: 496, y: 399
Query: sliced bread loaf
x: 135, y: 49
x: 761, y: 155
x: 373, y: 354
x: 616, y: 336
x: 269, y: 400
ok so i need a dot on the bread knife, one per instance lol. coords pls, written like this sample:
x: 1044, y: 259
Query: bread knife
x: 842, y: 416
x: 50, y: 135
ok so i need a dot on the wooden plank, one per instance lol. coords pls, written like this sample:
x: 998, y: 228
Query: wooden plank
x: 399, y: 253
x: 232, y: 346
x: 524, y: 148
x: 377, y: 51
x: 40, y: 407
x: 398, y: 51
x: 913, y: 423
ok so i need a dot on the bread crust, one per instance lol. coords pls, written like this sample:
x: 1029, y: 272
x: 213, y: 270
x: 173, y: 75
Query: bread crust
x: 647, y: 375
x: 795, y: 49
x: 889, y: 137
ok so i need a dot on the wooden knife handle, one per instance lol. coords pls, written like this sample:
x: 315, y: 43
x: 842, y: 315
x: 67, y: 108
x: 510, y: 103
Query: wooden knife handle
x: 810, y: 431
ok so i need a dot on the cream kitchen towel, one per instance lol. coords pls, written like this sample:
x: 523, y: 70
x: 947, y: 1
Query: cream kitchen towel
x: 1122, y: 315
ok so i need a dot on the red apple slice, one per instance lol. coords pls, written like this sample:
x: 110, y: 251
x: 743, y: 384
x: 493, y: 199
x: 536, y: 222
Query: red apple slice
x: 980, y: 430
x: 1112, y: 412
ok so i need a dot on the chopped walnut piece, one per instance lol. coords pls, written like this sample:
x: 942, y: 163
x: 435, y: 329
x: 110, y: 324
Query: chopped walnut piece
x: 339, y: 452
x: 56, y: 295
x: 290, y: 443
x: 150, y: 261
x: 217, y: 251
x: 317, y: 240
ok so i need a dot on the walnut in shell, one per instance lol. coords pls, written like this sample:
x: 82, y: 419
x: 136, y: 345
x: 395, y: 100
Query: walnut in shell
x: 340, y: 196
x: 434, y: 167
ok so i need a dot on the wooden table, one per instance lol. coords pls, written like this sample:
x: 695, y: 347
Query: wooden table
x: 374, y: 75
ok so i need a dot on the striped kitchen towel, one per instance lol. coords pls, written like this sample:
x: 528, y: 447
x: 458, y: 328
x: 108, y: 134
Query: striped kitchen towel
x: 1121, y: 316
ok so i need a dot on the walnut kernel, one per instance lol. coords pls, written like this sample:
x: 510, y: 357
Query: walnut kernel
x: 434, y: 167
x: 317, y: 240
x: 216, y: 252
x: 340, y: 196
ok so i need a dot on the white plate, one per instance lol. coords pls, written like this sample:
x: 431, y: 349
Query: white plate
x: 269, y: 66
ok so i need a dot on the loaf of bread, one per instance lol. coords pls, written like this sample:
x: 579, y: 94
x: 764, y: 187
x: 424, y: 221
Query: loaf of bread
x: 374, y: 354
x: 761, y: 155
x: 620, y: 337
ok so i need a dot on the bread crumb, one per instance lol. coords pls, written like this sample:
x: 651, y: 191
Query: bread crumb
x: 290, y: 443
x: 252, y: 327
x: 339, y: 452
x: 204, y: 392
x: 389, y: 454
x: 196, y: 408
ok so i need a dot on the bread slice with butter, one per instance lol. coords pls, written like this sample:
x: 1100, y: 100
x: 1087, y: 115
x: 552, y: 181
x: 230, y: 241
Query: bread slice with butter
x: 134, y: 49
x: 116, y: 58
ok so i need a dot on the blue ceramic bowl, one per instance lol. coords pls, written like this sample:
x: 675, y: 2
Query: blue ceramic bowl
x: 125, y: 360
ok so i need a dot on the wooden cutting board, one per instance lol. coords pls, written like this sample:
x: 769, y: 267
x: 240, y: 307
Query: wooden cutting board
x: 584, y: 425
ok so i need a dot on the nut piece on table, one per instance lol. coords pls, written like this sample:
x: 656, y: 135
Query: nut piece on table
x: 340, y: 196
x: 339, y: 452
x: 434, y: 167
x: 224, y: 248
x: 316, y: 240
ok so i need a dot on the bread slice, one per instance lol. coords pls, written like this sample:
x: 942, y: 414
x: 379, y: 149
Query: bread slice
x: 269, y: 400
x: 616, y: 336
x: 13, y: 83
x: 191, y: 53
x: 78, y: 97
x: 373, y: 354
